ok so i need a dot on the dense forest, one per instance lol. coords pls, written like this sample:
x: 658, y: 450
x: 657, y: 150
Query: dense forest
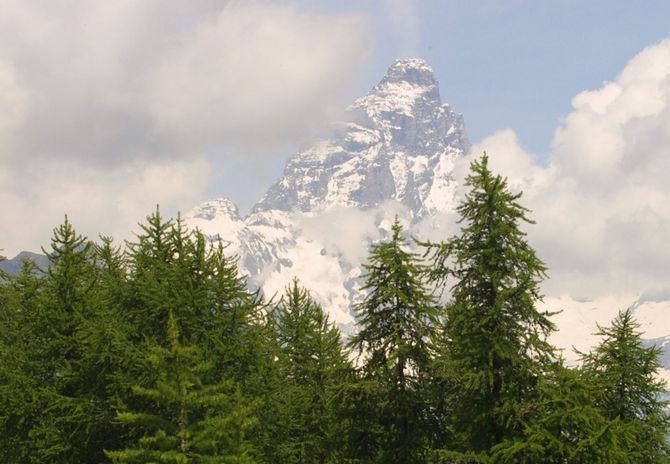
x: 157, y: 352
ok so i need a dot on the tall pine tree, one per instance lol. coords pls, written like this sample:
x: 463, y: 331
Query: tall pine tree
x: 313, y: 365
x: 396, y: 321
x: 493, y: 346
x: 624, y: 373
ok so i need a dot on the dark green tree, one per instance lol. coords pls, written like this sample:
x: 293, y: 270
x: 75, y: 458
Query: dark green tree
x: 313, y: 365
x: 564, y: 426
x: 192, y: 325
x: 493, y: 348
x: 396, y: 321
x: 625, y: 375
x: 189, y: 421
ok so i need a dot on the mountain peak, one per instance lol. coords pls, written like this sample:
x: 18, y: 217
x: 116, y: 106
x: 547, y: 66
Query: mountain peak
x: 216, y: 208
x: 398, y: 143
x: 412, y: 70
x: 409, y: 88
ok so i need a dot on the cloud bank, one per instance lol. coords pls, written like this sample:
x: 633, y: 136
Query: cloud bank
x: 107, y: 106
x: 602, y: 204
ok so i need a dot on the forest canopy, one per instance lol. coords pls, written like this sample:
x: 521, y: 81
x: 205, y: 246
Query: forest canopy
x: 158, y: 352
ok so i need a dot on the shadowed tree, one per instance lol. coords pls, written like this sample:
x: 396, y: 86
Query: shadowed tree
x: 313, y: 365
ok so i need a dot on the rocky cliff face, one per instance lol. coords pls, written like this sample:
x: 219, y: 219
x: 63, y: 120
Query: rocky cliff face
x: 399, y: 143
x: 396, y: 148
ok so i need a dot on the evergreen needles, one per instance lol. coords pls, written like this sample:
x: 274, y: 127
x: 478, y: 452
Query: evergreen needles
x: 158, y: 353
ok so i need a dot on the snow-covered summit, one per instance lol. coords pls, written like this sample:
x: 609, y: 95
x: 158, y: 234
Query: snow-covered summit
x: 394, y: 151
x: 216, y: 208
x: 397, y: 143
x: 412, y: 70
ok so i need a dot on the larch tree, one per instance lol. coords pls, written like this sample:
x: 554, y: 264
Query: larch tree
x: 313, y: 365
x: 180, y: 400
x: 493, y: 347
x: 624, y: 373
x: 396, y: 321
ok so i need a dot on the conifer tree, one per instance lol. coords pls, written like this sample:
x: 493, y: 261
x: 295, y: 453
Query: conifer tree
x: 20, y: 369
x: 628, y: 391
x: 103, y: 337
x: 190, y: 421
x: 493, y: 347
x: 62, y: 433
x: 564, y: 426
x: 60, y: 409
x: 313, y: 365
x: 396, y: 321
x: 181, y: 398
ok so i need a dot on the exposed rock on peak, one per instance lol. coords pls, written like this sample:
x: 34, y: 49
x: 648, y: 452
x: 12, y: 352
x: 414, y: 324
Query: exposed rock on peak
x: 217, y: 207
x: 398, y: 143
x: 396, y: 148
x: 411, y: 70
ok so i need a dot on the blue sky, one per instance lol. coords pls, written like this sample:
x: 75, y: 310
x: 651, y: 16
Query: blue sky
x: 514, y: 63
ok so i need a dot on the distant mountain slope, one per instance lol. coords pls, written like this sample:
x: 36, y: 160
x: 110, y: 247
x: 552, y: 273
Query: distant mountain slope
x: 399, y: 143
x: 13, y: 266
x: 395, y: 152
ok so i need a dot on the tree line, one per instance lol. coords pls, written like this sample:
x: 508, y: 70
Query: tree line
x: 157, y: 352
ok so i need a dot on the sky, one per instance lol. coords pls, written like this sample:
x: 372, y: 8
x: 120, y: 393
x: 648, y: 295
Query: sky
x: 108, y: 108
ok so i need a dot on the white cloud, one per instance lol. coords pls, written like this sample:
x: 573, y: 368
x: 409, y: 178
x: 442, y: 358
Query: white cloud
x: 104, y: 104
x: 343, y: 231
x: 255, y: 72
x: 602, y: 205
x: 97, y: 201
x: 507, y: 156
x: 13, y: 103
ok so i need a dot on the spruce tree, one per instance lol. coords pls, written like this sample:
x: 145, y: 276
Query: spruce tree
x: 396, y: 321
x: 628, y: 392
x: 493, y: 346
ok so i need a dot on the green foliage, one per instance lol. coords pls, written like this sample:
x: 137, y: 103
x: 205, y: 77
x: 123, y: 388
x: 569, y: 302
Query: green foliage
x: 313, y: 366
x: 56, y: 405
x: 187, y: 420
x: 564, y: 426
x: 455, y: 457
x: 181, y: 397
x: 624, y: 372
x: 396, y: 321
x: 18, y: 372
x: 493, y: 347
